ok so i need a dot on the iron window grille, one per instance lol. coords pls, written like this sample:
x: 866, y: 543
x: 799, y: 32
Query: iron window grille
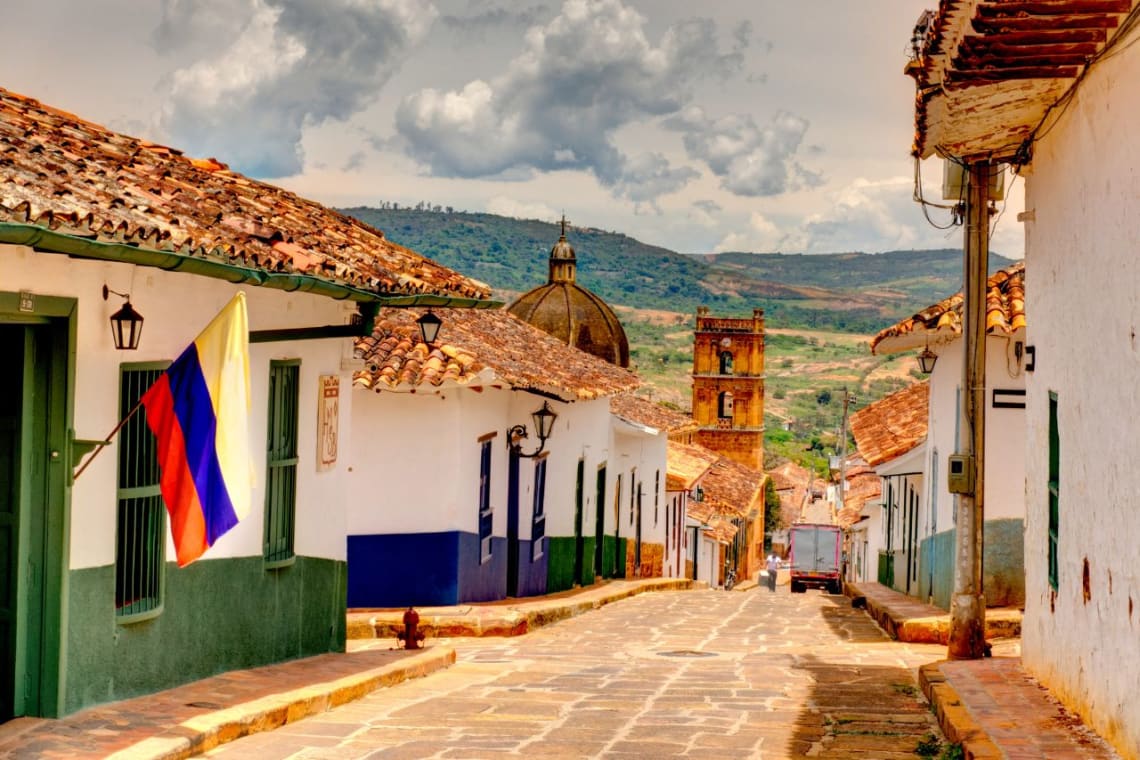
x: 140, y: 522
x: 281, y: 464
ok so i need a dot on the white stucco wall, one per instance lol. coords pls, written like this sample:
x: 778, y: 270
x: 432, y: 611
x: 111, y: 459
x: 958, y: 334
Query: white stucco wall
x: 415, y: 460
x: 644, y: 453
x: 1083, y: 277
x: 1005, y: 432
x: 176, y: 307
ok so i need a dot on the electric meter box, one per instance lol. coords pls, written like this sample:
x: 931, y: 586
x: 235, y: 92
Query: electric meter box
x: 960, y: 474
x: 954, y: 179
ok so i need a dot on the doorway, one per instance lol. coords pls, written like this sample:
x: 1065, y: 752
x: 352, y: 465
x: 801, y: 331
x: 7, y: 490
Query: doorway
x: 600, y: 520
x: 35, y: 459
x: 25, y: 392
x: 579, y: 544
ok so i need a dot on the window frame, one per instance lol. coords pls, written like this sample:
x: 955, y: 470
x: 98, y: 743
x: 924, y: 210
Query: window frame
x: 136, y: 431
x: 485, y: 513
x: 1054, y: 494
x: 538, y: 511
x: 274, y: 556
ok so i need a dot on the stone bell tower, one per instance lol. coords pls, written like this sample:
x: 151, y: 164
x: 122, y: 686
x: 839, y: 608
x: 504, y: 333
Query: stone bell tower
x: 728, y: 386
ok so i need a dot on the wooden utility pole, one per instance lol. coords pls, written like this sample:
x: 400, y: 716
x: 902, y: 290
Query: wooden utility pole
x: 968, y: 605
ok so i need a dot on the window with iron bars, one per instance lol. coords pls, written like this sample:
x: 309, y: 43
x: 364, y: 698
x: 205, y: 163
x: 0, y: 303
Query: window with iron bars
x: 140, y: 522
x: 281, y: 463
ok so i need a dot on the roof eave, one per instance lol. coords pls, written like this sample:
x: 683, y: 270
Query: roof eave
x: 52, y: 241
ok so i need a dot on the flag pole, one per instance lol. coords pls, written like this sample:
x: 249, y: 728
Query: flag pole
x: 106, y: 441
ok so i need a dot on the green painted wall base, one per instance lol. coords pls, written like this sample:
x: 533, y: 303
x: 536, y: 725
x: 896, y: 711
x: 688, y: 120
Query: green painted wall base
x: 1003, y: 564
x: 219, y: 615
x: 560, y: 563
x: 613, y: 557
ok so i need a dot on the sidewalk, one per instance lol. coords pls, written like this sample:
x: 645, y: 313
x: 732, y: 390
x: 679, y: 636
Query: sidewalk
x: 511, y: 617
x: 992, y: 707
x: 198, y: 716
x: 904, y: 618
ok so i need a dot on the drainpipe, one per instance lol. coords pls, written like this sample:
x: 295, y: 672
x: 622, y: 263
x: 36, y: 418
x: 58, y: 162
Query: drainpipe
x: 968, y: 605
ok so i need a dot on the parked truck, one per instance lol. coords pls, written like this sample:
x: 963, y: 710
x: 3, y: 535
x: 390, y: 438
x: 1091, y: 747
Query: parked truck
x: 816, y: 556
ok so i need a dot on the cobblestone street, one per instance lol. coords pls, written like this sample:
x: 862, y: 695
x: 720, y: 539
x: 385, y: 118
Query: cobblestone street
x: 675, y: 674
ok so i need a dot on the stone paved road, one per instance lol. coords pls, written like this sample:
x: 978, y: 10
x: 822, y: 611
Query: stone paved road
x: 673, y: 674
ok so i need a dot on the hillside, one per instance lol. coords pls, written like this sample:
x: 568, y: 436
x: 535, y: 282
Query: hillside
x: 850, y: 292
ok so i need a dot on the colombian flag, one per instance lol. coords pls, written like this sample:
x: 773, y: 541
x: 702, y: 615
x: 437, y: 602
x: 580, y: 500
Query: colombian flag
x: 198, y: 410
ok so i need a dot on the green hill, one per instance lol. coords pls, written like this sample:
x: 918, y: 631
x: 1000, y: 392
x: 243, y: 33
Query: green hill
x: 850, y: 292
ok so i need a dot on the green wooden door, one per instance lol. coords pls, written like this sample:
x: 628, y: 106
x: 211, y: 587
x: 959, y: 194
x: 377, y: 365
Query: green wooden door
x: 25, y: 396
x: 11, y: 382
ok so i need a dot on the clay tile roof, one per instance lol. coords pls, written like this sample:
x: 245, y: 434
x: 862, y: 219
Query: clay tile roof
x: 733, y: 488
x: 1005, y: 314
x: 685, y: 464
x: 863, y: 485
x: 892, y: 426
x: 988, y: 71
x: 476, y: 347
x: 73, y: 177
x: 642, y: 411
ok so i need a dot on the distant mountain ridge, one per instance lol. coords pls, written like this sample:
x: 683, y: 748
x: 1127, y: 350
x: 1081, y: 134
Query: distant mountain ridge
x: 843, y: 291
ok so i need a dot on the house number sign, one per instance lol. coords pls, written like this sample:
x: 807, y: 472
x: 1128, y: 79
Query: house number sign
x: 328, y: 416
x: 27, y: 301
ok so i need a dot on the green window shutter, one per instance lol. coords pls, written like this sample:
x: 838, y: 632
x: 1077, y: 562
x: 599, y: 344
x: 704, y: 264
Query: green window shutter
x: 281, y: 463
x: 140, y: 524
x: 1054, y: 489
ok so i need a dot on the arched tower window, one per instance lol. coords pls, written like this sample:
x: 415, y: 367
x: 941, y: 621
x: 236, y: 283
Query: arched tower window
x: 724, y: 405
x: 726, y: 362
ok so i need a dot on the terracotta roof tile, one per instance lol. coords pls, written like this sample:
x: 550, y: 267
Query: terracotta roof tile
x: 988, y: 71
x: 62, y: 173
x: 733, y: 489
x: 476, y: 347
x: 863, y: 485
x: 685, y: 464
x: 892, y: 426
x: 640, y: 410
x: 1005, y: 314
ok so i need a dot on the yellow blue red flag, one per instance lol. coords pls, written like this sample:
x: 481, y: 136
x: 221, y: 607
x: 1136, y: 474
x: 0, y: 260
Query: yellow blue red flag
x: 199, y: 412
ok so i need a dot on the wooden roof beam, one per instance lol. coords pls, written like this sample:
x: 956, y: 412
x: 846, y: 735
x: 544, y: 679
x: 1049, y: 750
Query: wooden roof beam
x: 1052, y: 8
x: 970, y: 77
x: 1083, y: 22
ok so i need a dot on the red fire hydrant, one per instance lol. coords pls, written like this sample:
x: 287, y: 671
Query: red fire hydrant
x: 412, y: 636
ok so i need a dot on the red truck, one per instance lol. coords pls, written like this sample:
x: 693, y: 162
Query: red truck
x: 816, y: 555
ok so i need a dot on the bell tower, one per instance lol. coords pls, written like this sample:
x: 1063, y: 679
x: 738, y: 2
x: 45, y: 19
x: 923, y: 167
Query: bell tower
x: 728, y: 386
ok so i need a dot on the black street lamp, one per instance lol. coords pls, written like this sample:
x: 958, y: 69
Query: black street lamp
x: 543, y: 427
x: 927, y: 360
x: 429, y: 327
x: 126, y: 323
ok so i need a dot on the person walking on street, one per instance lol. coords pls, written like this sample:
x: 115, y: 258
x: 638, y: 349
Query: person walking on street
x: 773, y: 569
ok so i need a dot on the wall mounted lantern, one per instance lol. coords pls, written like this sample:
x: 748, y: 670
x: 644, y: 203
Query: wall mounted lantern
x: 699, y: 494
x: 126, y: 323
x: 927, y: 360
x: 543, y: 426
x: 429, y: 327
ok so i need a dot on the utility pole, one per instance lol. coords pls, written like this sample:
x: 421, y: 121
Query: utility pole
x: 968, y: 605
x: 848, y: 398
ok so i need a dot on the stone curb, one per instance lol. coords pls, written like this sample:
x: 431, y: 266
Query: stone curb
x: 205, y: 732
x: 495, y: 620
x: 954, y: 717
x: 934, y: 629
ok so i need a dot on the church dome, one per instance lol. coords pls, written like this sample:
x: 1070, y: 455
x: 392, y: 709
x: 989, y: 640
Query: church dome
x: 571, y: 313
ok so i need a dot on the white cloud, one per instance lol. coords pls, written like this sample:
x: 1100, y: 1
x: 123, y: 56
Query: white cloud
x: 293, y: 64
x: 868, y: 216
x: 504, y: 206
x: 761, y: 236
x: 588, y: 72
x: 750, y: 160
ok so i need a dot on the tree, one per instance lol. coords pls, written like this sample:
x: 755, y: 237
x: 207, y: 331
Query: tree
x: 772, y: 516
x: 824, y: 398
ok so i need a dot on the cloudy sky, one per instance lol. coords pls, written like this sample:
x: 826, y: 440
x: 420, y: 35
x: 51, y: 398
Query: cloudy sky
x: 755, y: 125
